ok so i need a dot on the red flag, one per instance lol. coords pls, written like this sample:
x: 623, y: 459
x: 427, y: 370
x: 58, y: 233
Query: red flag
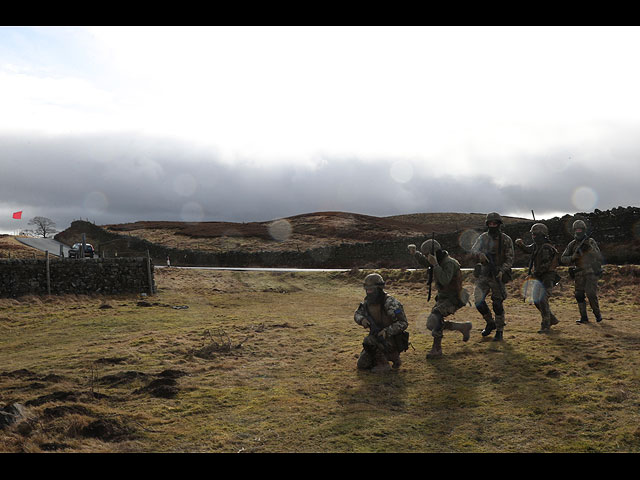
x: 18, y: 215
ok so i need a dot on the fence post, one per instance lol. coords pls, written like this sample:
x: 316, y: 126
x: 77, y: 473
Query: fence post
x: 48, y: 274
x: 149, y: 273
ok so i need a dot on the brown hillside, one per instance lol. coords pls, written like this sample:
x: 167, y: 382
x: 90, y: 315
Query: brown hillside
x: 298, y: 232
x: 11, y: 248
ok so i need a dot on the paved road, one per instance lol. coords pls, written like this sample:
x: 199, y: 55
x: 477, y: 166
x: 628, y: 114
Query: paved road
x: 256, y: 269
x: 45, y: 244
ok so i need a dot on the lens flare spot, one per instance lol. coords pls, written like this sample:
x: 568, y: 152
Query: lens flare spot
x: 584, y: 198
x: 280, y: 230
x: 96, y: 202
x: 401, y: 171
x: 533, y: 290
x: 192, y: 212
x: 467, y: 239
x: 185, y: 185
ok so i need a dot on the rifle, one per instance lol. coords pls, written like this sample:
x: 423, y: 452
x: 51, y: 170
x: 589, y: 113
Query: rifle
x: 572, y: 270
x: 526, y: 282
x: 374, y: 329
x: 430, y: 277
x: 494, y: 273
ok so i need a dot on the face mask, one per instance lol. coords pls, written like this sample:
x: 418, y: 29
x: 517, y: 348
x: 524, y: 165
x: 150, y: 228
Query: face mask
x: 539, y: 239
x: 579, y: 235
x: 375, y: 296
x: 493, y: 231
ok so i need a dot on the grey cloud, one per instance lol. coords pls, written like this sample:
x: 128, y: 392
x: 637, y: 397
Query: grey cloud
x: 128, y: 177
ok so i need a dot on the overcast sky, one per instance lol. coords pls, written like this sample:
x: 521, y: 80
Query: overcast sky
x: 124, y: 124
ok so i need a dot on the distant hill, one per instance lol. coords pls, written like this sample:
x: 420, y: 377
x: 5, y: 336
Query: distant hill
x: 342, y: 240
x: 299, y: 232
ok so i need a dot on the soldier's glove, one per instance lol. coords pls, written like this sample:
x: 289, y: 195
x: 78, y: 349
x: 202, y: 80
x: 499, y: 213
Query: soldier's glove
x: 483, y: 258
x: 412, y: 249
x: 519, y: 242
x: 433, y: 261
x: 365, y: 323
x: 383, y: 333
x: 499, y: 276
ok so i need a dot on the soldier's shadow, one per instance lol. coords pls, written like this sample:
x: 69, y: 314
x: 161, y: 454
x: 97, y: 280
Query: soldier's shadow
x: 373, y: 394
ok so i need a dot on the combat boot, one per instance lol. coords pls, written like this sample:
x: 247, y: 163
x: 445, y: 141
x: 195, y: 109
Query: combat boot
x: 554, y: 320
x: 381, y: 364
x: 436, y: 349
x: 545, y: 327
x: 464, y: 327
x: 582, y: 307
x: 394, y: 358
x: 490, y: 327
x: 498, y: 336
x: 598, y: 318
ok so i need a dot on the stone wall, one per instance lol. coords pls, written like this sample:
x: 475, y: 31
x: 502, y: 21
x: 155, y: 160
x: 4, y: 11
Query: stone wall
x: 88, y: 276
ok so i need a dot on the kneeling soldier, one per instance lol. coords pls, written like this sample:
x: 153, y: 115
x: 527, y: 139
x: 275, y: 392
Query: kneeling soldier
x: 384, y: 316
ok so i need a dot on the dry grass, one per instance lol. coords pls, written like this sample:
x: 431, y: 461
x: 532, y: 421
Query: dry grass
x: 12, y: 248
x: 280, y: 376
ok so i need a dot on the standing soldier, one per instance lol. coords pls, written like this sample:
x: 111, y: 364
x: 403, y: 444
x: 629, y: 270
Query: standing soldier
x: 384, y: 316
x: 494, y: 250
x: 451, y: 296
x: 542, y: 267
x: 585, y: 259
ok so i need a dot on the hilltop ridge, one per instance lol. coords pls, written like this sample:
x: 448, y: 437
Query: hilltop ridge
x: 342, y: 240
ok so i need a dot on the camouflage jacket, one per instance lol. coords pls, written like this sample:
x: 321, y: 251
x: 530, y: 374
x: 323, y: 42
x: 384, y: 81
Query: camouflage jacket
x: 389, y: 315
x: 500, y: 250
x: 447, y: 276
x: 545, y: 258
x: 589, y: 259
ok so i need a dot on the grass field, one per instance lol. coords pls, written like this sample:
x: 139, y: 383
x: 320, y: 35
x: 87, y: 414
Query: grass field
x: 266, y: 362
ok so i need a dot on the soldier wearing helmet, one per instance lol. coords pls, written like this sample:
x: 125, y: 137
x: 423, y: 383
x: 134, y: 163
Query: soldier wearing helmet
x: 451, y: 296
x: 384, y: 316
x: 585, y: 260
x: 542, y: 273
x: 494, y: 250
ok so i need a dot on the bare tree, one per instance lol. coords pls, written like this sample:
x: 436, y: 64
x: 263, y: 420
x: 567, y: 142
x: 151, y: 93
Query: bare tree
x: 43, y: 226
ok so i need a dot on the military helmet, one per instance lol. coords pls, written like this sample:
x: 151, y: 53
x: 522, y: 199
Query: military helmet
x: 373, y: 280
x: 579, y: 224
x: 426, y: 246
x: 539, y: 229
x: 493, y: 217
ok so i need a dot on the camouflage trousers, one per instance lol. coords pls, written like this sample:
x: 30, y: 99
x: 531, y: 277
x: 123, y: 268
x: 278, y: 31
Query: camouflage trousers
x: 586, y: 286
x: 484, y: 285
x: 374, y: 353
x: 542, y: 288
x: 442, y: 309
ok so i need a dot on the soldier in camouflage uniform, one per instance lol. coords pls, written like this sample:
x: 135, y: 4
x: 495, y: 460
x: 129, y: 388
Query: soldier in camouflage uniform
x: 451, y: 296
x: 385, y: 317
x: 494, y: 250
x: 544, y: 260
x: 585, y: 259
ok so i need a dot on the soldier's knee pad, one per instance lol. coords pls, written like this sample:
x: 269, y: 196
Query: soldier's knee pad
x: 580, y: 297
x: 435, y: 321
